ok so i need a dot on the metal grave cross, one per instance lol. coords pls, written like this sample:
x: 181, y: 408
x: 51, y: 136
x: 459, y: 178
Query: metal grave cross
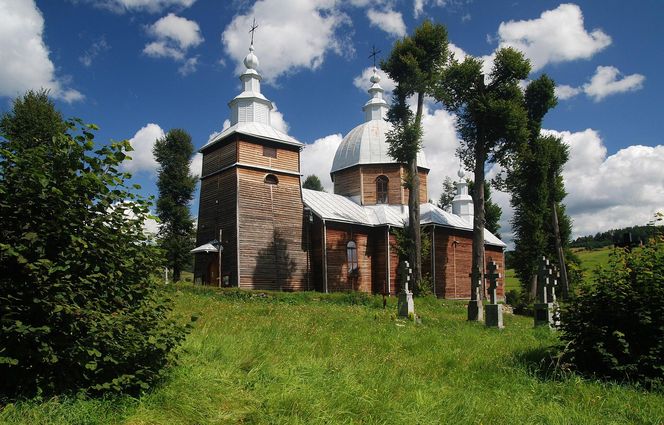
x: 552, y: 283
x: 493, y: 276
x: 373, y: 54
x: 252, y: 30
x: 543, y: 280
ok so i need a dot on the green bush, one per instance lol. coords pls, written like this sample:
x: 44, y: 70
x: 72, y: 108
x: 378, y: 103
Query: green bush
x: 614, y: 328
x: 78, y: 307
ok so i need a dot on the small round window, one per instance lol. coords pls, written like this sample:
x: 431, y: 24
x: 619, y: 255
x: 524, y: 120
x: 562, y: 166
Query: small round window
x: 271, y: 179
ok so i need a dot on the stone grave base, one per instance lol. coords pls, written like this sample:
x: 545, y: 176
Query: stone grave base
x: 405, y: 304
x: 475, y: 310
x: 544, y: 314
x: 494, y: 316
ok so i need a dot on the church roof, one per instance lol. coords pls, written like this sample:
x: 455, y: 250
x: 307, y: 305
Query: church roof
x: 250, y: 110
x: 339, y: 208
x: 366, y: 143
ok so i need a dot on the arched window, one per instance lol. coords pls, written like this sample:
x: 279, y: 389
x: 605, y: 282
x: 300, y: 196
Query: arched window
x: 381, y: 190
x: 271, y: 179
x: 351, y: 254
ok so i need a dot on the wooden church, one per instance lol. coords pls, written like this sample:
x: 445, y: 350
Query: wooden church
x: 275, y: 235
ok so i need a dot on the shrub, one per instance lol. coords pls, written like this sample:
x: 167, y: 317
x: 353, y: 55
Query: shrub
x: 78, y: 306
x: 614, y: 328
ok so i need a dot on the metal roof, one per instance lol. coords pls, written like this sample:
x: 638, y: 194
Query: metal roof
x: 254, y: 129
x: 339, y: 208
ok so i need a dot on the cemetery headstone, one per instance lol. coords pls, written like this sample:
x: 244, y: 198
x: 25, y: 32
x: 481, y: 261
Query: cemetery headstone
x: 475, y: 308
x: 494, y: 311
x: 544, y: 307
x: 405, y: 304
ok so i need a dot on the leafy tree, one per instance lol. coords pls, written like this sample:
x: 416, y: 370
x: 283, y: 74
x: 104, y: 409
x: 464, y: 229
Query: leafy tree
x: 492, y: 122
x: 491, y: 209
x: 78, y: 307
x: 614, y: 328
x: 176, y: 186
x: 449, y: 192
x: 415, y: 64
x: 313, y: 182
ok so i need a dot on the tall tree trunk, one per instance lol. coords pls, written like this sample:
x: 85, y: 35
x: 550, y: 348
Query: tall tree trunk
x: 414, y: 202
x: 533, y: 287
x: 559, y: 251
x: 478, y: 215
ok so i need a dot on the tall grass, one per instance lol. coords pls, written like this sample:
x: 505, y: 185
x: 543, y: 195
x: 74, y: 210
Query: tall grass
x: 311, y: 358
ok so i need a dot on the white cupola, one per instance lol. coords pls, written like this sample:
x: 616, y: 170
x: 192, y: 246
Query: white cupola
x: 462, y: 204
x: 250, y: 105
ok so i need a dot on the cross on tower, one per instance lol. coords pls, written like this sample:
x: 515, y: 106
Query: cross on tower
x: 252, y: 30
x: 493, y: 277
x: 373, y: 54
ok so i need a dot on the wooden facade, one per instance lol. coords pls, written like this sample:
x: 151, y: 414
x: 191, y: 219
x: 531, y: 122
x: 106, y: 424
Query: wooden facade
x: 251, y: 191
x: 359, y: 183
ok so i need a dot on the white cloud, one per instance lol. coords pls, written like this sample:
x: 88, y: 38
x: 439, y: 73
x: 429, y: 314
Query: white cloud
x: 316, y: 158
x: 558, y: 35
x: 389, y: 21
x: 174, y: 36
x: 458, y: 53
x: 292, y: 34
x: 196, y: 164
x: 362, y: 81
x: 418, y: 5
x: 607, y: 81
x: 564, y: 92
x: 142, y: 160
x: 610, y: 191
x: 152, y: 6
x: 24, y: 55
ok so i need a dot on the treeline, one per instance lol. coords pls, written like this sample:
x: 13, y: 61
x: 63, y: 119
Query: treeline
x: 614, y: 236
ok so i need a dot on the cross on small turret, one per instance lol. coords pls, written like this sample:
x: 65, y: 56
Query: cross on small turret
x: 252, y: 30
x: 373, y: 54
x: 493, y: 276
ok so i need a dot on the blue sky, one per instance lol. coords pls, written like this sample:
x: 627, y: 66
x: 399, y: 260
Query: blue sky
x: 140, y: 67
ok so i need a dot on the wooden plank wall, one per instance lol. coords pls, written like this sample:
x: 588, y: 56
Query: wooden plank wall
x: 272, y: 254
x: 219, y: 156
x: 347, y: 182
x: 217, y: 211
x: 338, y: 279
x: 395, y: 190
x: 250, y: 152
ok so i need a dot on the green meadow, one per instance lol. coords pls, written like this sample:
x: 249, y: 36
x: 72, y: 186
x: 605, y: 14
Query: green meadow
x: 310, y: 358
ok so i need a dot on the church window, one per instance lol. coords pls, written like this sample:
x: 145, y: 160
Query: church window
x: 271, y: 179
x: 351, y: 254
x: 269, y: 151
x: 381, y: 190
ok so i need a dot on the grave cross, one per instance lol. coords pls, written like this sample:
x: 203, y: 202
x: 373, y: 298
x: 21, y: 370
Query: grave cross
x: 252, y: 30
x: 373, y: 54
x: 552, y: 283
x: 543, y: 280
x: 493, y: 276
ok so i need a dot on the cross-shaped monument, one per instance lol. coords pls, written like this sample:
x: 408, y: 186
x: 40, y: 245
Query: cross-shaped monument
x: 405, y: 303
x: 494, y: 311
x: 475, y: 308
x: 544, y: 307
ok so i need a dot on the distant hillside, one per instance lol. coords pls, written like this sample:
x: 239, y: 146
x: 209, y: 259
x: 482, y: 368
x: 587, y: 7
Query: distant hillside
x: 610, y: 237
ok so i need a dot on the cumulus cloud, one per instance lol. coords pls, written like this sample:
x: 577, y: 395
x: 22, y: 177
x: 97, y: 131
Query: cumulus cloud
x: 564, y: 92
x: 458, y: 53
x: 292, y: 34
x: 316, y: 158
x: 142, y: 160
x: 608, y: 80
x: 558, y: 35
x: 24, y: 55
x: 388, y: 20
x: 152, y: 6
x: 196, y: 164
x: 174, y: 36
x: 611, y: 191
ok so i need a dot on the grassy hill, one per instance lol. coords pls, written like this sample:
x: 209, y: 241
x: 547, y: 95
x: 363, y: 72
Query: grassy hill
x: 310, y: 358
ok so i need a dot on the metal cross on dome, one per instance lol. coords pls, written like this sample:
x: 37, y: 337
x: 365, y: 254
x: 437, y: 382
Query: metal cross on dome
x: 373, y: 54
x: 252, y: 30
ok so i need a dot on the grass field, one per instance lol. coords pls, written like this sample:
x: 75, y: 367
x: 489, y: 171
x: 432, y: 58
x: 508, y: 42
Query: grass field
x: 311, y: 358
